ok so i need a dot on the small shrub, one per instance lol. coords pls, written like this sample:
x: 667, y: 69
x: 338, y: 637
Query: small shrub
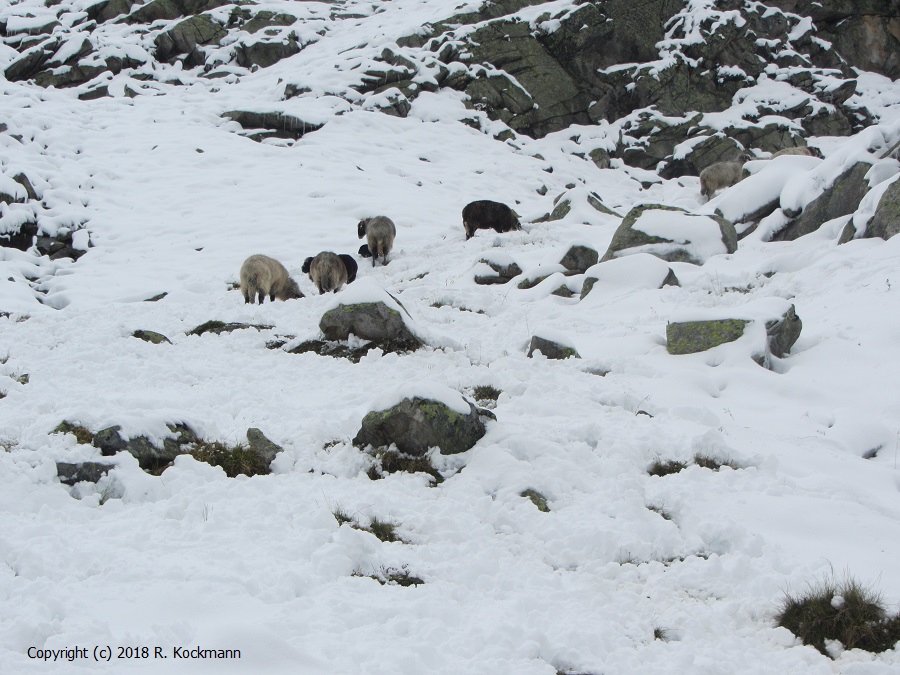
x: 662, y: 634
x: 391, y: 576
x: 391, y: 461
x: 385, y: 530
x: 486, y: 392
x: 844, y: 611
x: 711, y: 463
x: 665, y: 468
x: 82, y: 434
x: 235, y: 459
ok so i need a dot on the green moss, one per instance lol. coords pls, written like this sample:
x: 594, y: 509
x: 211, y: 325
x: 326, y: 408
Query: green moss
x: 234, y: 459
x: 690, y: 337
x: 82, y: 434
x: 539, y: 500
x: 665, y: 468
x: 486, y: 392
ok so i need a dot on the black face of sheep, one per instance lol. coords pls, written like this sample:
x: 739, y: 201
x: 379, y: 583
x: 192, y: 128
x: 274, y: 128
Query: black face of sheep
x: 488, y: 215
x: 379, y: 233
x: 351, y: 266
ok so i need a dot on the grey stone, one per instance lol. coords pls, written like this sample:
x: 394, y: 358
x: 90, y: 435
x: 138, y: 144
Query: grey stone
x: 551, y: 349
x: 262, y: 446
x: 149, y: 456
x: 886, y: 221
x: 689, y: 337
x: 186, y: 35
x: 783, y: 332
x: 373, y: 321
x: 151, y: 336
x: 415, y: 424
x: 578, y: 258
x: 70, y: 473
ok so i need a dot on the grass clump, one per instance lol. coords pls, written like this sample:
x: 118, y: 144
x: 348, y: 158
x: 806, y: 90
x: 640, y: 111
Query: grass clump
x: 83, y: 435
x: 391, y: 461
x: 486, y: 393
x: 661, y: 511
x: 662, y: 634
x: 843, y: 611
x: 234, y: 459
x: 384, y: 530
x: 665, y: 468
x: 391, y: 576
x: 712, y: 463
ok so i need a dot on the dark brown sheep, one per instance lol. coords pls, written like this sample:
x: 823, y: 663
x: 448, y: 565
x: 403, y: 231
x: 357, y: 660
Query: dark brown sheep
x: 485, y: 214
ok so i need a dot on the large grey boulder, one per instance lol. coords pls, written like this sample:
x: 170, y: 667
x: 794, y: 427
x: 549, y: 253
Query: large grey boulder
x: 578, y: 258
x: 70, y: 473
x: 552, y: 348
x: 372, y: 314
x: 416, y: 424
x: 186, y: 35
x: 842, y: 198
x: 689, y: 337
x: 886, y: 221
x: 672, y: 234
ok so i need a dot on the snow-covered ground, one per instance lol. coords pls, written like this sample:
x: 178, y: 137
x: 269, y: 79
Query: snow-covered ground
x: 174, y: 200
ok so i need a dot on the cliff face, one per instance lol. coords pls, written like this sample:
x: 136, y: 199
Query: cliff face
x: 661, y: 71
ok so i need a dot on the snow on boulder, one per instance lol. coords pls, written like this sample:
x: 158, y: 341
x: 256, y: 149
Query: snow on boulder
x: 771, y: 324
x: 759, y: 194
x: 496, y: 268
x: 672, y: 234
x: 578, y: 258
x: 553, y: 346
x: 420, y: 416
x: 886, y: 221
x: 370, y: 313
x: 633, y: 272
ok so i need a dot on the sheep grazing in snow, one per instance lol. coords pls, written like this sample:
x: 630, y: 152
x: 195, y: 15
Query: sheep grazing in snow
x: 262, y: 276
x: 364, y: 251
x: 485, y: 214
x: 799, y: 150
x: 349, y: 264
x: 720, y: 175
x: 327, y: 271
x: 379, y: 233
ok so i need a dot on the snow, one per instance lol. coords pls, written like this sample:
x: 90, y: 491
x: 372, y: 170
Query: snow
x: 701, y: 235
x: 165, y: 197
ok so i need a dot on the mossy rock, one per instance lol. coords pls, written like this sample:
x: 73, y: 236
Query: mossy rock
x: 373, y: 321
x: 150, y: 457
x: 689, y: 337
x: 151, y: 336
x: 415, y: 424
x: 578, y: 258
x: 627, y: 236
x: 219, y: 327
x: 82, y: 434
x: 539, y: 500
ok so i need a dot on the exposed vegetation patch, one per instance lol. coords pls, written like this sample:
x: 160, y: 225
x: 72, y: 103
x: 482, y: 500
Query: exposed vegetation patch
x: 391, y: 461
x: 485, y: 393
x: 662, y: 634
x: 844, y: 611
x: 539, y: 500
x: 83, y: 435
x: 385, y: 530
x: 391, y: 576
x: 234, y: 459
x: 712, y: 463
x: 219, y: 327
x: 665, y: 468
x: 661, y: 510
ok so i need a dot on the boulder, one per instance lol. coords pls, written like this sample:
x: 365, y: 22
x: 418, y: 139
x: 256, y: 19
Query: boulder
x: 262, y: 446
x: 578, y: 258
x: 219, y: 327
x: 672, y: 234
x: 370, y: 314
x: 886, y: 221
x: 783, y: 332
x: 149, y: 455
x: 416, y: 424
x: 70, y: 473
x: 555, y: 349
x: 187, y: 35
x: 151, y: 336
x: 689, y: 337
x: 841, y: 199
x: 280, y: 124
x: 505, y: 269
x: 632, y: 272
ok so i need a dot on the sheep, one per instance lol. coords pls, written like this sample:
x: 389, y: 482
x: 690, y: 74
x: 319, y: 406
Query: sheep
x: 327, y: 271
x: 364, y: 251
x: 485, y: 214
x: 720, y: 175
x: 799, y: 150
x: 379, y: 233
x: 349, y: 264
x: 262, y: 275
